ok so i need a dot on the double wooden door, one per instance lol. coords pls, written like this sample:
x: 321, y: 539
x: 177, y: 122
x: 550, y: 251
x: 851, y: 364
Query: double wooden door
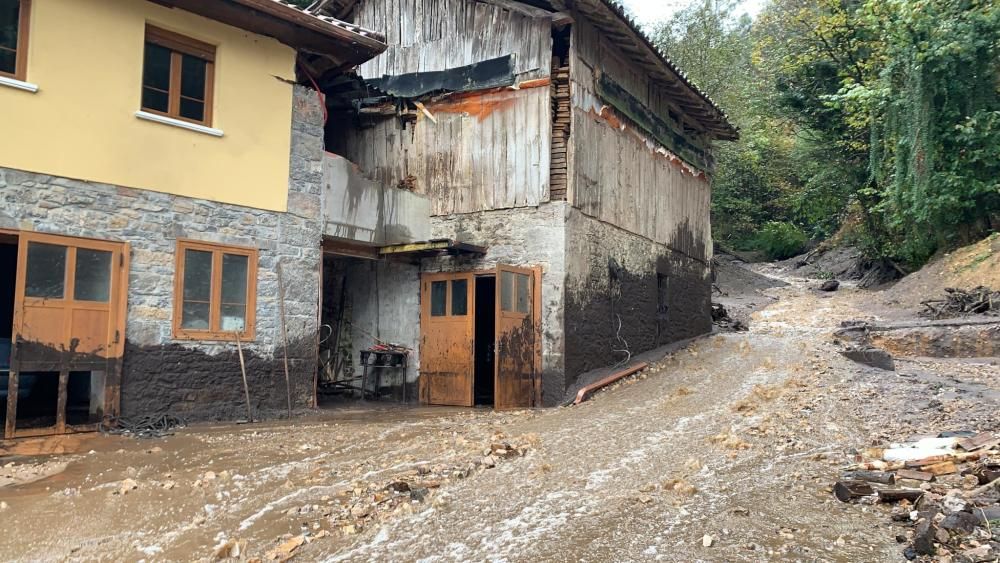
x: 447, y: 352
x: 69, y: 318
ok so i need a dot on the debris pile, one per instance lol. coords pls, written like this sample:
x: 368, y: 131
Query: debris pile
x: 946, y: 489
x: 957, y: 302
x: 721, y: 319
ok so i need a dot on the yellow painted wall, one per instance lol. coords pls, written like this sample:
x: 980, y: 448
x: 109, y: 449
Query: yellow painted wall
x: 86, y: 58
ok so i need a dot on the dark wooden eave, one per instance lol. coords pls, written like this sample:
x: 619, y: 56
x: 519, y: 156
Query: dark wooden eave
x: 346, y: 44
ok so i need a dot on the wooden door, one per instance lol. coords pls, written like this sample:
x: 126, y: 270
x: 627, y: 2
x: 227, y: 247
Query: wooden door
x: 69, y: 316
x: 518, y: 316
x: 447, y: 314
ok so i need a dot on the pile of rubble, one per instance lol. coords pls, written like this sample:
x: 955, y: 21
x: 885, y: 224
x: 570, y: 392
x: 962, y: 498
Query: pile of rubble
x: 957, y: 302
x: 946, y: 489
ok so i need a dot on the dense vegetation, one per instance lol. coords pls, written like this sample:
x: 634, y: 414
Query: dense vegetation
x: 877, y: 120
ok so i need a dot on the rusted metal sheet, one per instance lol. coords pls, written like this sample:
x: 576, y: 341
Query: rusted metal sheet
x: 517, y: 318
x: 69, y: 315
x: 447, y: 313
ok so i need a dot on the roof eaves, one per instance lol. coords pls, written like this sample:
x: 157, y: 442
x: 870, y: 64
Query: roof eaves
x: 355, y: 29
x: 619, y: 11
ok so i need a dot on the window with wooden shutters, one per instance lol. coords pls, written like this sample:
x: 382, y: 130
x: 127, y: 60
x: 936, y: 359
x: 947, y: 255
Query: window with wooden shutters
x: 178, y: 76
x: 14, y: 38
x: 215, y: 291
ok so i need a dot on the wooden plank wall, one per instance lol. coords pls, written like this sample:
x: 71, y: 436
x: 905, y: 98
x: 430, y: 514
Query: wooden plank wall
x: 432, y: 35
x: 619, y: 174
x: 487, y: 151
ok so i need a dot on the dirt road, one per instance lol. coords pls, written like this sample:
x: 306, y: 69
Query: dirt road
x: 723, y: 451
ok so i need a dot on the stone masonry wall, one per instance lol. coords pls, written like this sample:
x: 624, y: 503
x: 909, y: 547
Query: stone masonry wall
x: 519, y: 237
x: 198, y: 380
x: 612, y: 274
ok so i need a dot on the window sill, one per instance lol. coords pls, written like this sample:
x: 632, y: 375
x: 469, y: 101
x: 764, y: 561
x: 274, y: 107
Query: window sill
x: 18, y: 84
x: 178, y: 123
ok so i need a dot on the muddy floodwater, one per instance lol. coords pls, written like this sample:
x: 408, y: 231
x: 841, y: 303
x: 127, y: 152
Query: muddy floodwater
x: 723, y: 451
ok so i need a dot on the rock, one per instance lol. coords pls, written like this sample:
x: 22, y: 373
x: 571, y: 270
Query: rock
x: 979, y: 554
x: 964, y: 522
x: 209, y: 476
x: 4, y: 505
x: 707, y: 541
x: 924, y: 536
x: 419, y: 495
x: 871, y: 357
x: 830, y: 285
x: 126, y: 486
x: 399, y: 486
x: 982, y: 514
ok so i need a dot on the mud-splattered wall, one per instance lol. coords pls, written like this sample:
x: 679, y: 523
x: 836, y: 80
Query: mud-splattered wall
x: 519, y: 237
x: 198, y: 380
x: 625, y: 292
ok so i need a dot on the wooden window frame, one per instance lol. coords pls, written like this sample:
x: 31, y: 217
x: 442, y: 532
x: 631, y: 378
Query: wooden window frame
x: 180, y: 45
x: 21, y: 50
x: 214, y: 332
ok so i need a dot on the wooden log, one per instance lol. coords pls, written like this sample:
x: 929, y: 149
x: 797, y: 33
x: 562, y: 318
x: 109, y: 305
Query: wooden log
x: 896, y: 495
x: 846, y: 491
x: 957, y: 457
x: 881, y: 477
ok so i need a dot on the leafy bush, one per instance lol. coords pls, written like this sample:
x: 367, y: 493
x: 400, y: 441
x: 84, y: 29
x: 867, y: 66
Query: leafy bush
x: 780, y: 240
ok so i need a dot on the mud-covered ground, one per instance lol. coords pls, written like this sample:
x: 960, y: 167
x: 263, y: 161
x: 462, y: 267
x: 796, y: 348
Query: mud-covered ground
x: 723, y: 451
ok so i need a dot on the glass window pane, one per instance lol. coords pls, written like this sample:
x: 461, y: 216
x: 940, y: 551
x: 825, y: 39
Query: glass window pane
x: 156, y: 67
x: 459, y: 298
x: 194, y: 316
x: 10, y: 13
x: 234, y: 317
x: 193, y: 77
x: 439, y: 296
x: 234, y: 278
x: 155, y: 100
x: 506, y: 291
x: 93, y: 275
x: 191, y: 109
x: 46, y: 271
x: 523, y: 293
x: 197, y: 275
x: 8, y: 61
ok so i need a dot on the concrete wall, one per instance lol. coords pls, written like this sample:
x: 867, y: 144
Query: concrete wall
x: 360, y: 210
x: 519, y: 237
x: 385, y: 298
x: 612, y: 274
x: 198, y: 379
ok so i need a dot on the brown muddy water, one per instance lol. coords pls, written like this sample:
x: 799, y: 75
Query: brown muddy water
x: 737, y: 437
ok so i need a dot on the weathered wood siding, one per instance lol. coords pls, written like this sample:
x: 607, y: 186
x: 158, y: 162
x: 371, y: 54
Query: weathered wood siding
x: 620, y: 175
x: 432, y: 35
x: 487, y: 151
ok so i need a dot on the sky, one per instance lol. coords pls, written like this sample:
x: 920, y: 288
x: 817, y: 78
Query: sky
x: 651, y: 11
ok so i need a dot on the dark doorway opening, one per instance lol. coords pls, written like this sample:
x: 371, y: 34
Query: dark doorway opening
x: 8, y: 279
x: 485, y: 336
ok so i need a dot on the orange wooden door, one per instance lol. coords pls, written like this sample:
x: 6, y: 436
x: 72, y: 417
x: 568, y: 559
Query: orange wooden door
x: 518, y: 316
x: 69, y: 313
x: 447, y: 314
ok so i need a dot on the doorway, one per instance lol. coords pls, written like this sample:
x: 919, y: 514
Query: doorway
x: 481, y: 338
x: 8, y: 283
x: 485, y: 335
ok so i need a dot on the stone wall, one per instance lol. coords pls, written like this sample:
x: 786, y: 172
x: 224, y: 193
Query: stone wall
x: 518, y: 237
x: 615, y: 276
x: 198, y: 380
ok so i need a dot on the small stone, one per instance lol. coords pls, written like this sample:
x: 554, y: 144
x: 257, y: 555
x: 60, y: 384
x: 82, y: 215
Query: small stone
x: 4, y: 505
x: 830, y: 285
x: 645, y: 499
x: 126, y: 486
x: 923, y: 537
x: 964, y: 522
x: 707, y: 541
x: 419, y: 494
x: 209, y: 476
